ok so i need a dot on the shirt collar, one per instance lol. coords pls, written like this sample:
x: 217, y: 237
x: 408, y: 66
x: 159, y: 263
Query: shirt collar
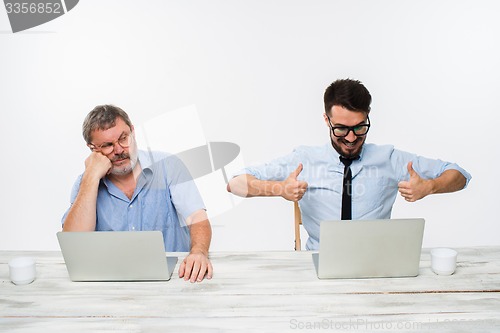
x: 145, y: 159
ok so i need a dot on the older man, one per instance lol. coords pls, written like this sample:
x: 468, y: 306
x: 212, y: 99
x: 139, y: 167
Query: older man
x: 124, y: 188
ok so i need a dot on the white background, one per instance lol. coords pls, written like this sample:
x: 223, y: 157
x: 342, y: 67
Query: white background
x: 256, y: 72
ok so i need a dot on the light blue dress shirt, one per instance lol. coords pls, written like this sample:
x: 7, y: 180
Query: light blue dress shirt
x: 164, y: 197
x: 375, y: 178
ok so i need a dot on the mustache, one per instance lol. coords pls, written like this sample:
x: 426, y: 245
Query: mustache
x: 120, y: 157
x: 355, y: 141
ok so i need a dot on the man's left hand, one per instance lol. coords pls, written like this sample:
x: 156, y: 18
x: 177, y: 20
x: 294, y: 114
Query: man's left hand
x: 416, y: 187
x: 195, y: 267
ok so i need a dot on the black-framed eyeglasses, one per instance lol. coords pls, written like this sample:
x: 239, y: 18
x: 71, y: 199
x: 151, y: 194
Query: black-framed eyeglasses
x: 107, y: 147
x: 343, y: 131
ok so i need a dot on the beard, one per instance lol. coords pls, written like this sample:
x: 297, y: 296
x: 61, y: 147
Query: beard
x: 340, y: 145
x: 125, y: 169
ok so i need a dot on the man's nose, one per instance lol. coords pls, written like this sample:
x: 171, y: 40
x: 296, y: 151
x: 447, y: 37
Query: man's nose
x: 351, y: 137
x: 117, y: 148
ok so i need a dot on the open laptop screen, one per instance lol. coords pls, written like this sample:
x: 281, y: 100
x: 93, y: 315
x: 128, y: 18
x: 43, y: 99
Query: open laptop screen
x: 370, y: 248
x: 115, y: 256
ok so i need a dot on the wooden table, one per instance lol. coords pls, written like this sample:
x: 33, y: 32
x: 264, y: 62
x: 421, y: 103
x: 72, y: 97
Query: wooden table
x: 257, y: 292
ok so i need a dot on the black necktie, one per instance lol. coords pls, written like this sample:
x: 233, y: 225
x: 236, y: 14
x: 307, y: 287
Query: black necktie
x: 346, y: 189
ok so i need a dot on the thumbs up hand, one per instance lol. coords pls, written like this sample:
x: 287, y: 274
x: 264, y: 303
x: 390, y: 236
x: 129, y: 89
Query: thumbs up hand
x: 415, y: 188
x: 293, y: 189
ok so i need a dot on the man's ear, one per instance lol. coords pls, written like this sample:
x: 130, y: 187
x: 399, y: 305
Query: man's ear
x: 325, y: 117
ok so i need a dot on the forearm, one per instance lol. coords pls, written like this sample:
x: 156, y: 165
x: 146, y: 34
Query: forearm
x: 249, y: 186
x: 82, y: 214
x: 201, y: 236
x: 200, y: 232
x: 448, y: 181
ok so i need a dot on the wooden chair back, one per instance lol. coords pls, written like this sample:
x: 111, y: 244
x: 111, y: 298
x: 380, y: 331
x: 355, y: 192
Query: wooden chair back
x: 298, y: 223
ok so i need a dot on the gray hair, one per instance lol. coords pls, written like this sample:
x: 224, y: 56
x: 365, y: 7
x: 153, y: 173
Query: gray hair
x: 103, y: 117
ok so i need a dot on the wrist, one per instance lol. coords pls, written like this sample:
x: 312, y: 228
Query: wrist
x: 199, y: 250
x: 431, y: 186
x: 278, y: 188
x: 91, y: 177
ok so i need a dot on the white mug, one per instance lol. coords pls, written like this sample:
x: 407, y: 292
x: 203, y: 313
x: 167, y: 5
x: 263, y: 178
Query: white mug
x: 22, y: 270
x: 443, y: 261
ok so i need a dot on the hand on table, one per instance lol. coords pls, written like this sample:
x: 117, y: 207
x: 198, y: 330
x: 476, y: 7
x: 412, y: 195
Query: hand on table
x: 195, y: 267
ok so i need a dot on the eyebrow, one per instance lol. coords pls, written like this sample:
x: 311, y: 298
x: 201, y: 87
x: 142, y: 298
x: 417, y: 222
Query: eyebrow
x: 107, y: 142
x: 342, y: 125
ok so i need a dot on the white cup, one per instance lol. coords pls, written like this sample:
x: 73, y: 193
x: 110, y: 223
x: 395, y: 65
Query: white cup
x: 22, y: 270
x: 443, y: 261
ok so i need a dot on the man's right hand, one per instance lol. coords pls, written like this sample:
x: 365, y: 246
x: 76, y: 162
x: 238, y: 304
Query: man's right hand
x: 294, y: 189
x: 82, y: 214
x: 97, y: 165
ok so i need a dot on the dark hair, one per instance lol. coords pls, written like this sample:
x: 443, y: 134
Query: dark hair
x: 348, y: 93
x: 103, y: 117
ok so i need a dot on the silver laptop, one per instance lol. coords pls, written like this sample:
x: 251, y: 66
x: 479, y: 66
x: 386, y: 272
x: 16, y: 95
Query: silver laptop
x: 369, y: 248
x: 116, y: 256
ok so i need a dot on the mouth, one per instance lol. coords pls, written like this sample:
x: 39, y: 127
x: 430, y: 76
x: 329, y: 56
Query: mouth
x: 350, y: 145
x: 118, y: 162
x: 120, y: 159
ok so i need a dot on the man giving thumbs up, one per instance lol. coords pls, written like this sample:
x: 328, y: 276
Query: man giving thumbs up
x: 290, y: 188
x: 417, y: 188
x: 375, y: 173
